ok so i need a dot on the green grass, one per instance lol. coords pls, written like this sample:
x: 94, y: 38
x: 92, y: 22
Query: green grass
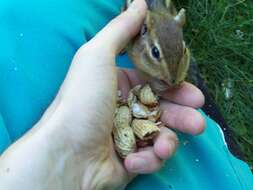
x: 220, y: 36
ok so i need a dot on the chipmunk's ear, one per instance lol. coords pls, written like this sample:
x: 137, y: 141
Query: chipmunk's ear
x: 180, y: 18
x: 183, y: 66
x: 148, y: 19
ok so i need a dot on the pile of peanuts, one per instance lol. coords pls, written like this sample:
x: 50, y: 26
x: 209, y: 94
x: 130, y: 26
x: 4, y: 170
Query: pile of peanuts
x: 136, y: 122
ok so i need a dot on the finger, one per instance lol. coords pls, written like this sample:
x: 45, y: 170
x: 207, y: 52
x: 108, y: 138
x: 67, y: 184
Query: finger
x: 123, y: 28
x: 144, y: 161
x: 182, y: 118
x: 187, y: 95
x: 123, y: 84
x: 165, y: 143
x: 133, y: 77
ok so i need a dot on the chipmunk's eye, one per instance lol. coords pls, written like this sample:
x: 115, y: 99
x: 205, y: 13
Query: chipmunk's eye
x: 144, y: 29
x: 155, y: 52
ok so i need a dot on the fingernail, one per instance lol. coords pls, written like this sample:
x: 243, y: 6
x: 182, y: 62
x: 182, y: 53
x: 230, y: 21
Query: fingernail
x: 173, y: 147
x: 138, y: 164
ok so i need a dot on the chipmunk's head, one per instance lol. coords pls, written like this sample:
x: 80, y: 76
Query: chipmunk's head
x: 159, y: 50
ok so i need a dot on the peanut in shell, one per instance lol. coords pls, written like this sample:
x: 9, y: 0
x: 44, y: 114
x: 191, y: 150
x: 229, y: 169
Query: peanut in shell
x: 122, y: 116
x: 124, y: 140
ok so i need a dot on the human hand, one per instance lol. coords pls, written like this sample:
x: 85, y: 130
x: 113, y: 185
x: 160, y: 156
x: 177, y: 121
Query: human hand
x: 72, y: 143
x: 179, y: 113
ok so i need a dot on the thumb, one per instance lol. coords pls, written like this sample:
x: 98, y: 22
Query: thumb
x: 123, y: 28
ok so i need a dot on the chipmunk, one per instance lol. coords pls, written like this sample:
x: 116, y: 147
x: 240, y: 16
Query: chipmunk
x: 159, y: 51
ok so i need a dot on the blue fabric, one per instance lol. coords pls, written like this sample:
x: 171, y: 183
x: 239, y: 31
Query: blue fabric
x: 5, y: 140
x: 201, y: 162
x: 38, y: 41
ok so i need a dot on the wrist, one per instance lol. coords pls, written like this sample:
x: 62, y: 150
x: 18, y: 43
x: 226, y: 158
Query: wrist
x: 93, y: 159
x: 39, y: 160
x: 92, y: 167
x: 53, y: 155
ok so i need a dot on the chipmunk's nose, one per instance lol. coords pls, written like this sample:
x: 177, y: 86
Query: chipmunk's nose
x: 173, y: 81
x: 170, y: 82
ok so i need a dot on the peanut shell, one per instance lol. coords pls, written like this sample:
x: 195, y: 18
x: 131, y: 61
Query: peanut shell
x: 143, y: 128
x: 147, y: 97
x: 136, y: 90
x: 155, y: 115
x: 132, y: 99
x: 140, y: 111
x: 124, y: 140
x: 122, y: 116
